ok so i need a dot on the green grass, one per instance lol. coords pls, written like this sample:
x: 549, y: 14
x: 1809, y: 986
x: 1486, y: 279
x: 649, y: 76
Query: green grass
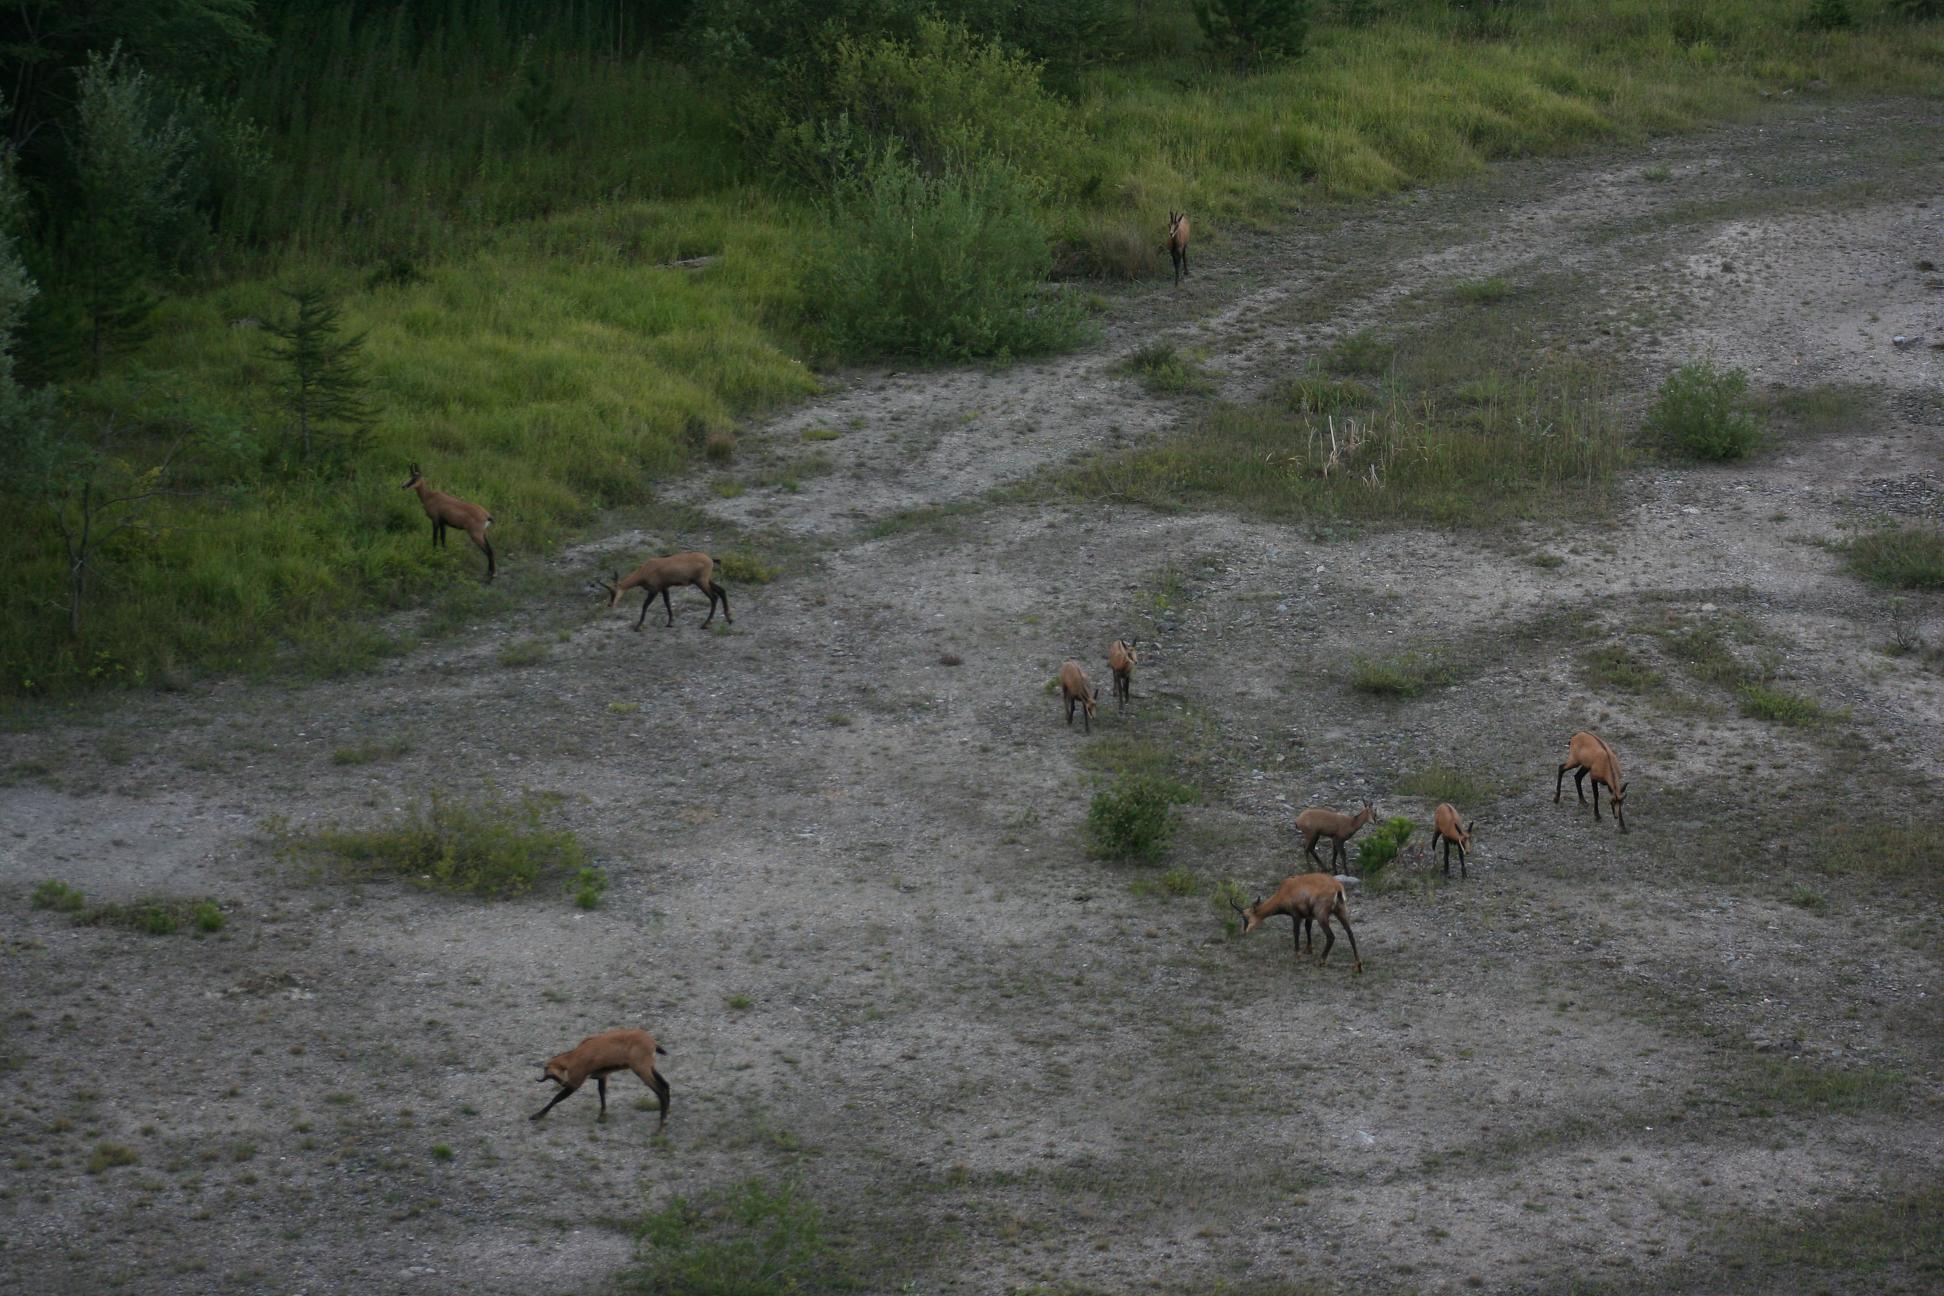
x: 367, y: 753
x: 1792, y: 1086
x: 1779, y: 706
x: 1400, y: 676
x: 58, y: 896
x: 740, y: 567
x: 1442, y: 782
x: 1133, y: 819
x: 109, y: 1155
x: 1880, y: 853
x: 531, y: 343
x: 492, y: 848
x: 1164, y: 371
x: 1363, y: 354
x: 1481, y: 292
x: 523, y: 652
x: 1612, y: 666
x: 155, y: 916
x: 1910, y: 557
x: 754, y: 1237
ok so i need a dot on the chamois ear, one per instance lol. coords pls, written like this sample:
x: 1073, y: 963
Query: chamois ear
x: 1468, y: 827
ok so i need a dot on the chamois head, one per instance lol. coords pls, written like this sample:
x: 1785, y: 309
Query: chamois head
x: 609, y: 590
x: 1088, y: 702
x: 1614, y: 798
x: 413, y: 480
x: 1174, y: 222
x: 1251, y: 917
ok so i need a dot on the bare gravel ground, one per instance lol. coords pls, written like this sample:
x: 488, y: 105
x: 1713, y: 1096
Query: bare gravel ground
x: 848, y: 889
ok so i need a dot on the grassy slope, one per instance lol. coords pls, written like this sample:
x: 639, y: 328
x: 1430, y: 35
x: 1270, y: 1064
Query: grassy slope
x: 550, y: 365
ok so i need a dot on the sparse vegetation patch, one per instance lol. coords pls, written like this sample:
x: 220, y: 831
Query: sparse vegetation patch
x: 492, y: 848
x: 755, y: 1237
x: 1910, y: 557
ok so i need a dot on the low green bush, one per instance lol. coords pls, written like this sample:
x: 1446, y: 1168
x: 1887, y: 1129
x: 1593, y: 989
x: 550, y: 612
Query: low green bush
x: 1703, y: 412
x: 1133, y: 819
x: 1910, y: 557
x: 1381, y: 845
x: 58, y: 896
x: 938, y: 267
x: 493, y: 849
x: 1404, y: 675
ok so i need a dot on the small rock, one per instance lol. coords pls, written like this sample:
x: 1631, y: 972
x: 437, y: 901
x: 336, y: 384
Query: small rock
x: 1903, y: 343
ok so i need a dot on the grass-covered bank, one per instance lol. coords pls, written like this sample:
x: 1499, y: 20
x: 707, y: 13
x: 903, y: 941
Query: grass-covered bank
x: 498, y: 214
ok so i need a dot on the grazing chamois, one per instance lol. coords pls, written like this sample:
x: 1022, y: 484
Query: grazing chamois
x: 1076, y: 691
x: 1177, y: 244
x: 1307, y: 898
x: 1444, y: 827
x: 449, y: 510
x: 1588, y: 753
x: 660, y: 575
x: 1338, y: 827
x: 1121, y: 659
x: 601, y: 1056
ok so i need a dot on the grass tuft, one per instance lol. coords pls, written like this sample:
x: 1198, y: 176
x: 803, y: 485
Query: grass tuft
x: 1134, y: 819
x: 1164, y: 371
x: 367, y: 753
x: 488, y: 848
x: 1910, y: 557
x: 1439, y: 782
x: 58, y: 896
x: 1778, y: 706
x: 752, y: 1238
x: 1404, y: 675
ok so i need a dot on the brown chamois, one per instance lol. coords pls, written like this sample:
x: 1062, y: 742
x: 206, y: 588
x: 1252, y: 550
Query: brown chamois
x: 1177, y: 245
x: 449, y: 510
x: 660, y: 575
x: 601, y: 1056
x: 1338, y: 827
x: 1444, y: 827
x: 1588, y: 753
x: 1307, y: 898
x: 1076, y: 691
x: 1121, y: 659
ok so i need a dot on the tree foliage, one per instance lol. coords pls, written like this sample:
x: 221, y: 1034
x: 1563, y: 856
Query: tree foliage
x: 1254, y: 32
x: 321, y: 386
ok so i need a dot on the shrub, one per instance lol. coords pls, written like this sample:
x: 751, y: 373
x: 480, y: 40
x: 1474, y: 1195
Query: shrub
x: 1381, y: 844
x: 58, y: 896
x: 486, y: 848
x: 1405, y: 675
x: 589, y: 884
x: 752, y: 1238
x: 1133, y: 819
x: 1703, y: 413
x: 1909, y: 557
x: 1363, y: 352
x: 208, y: 916
x: 940, y: 267
x: 1254, y: 32
x: 1162, y: 369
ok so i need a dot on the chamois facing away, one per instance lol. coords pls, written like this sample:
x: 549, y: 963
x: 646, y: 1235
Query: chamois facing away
x: 1177, y: 244
x: 1587, y: 753
x: 1338, y: 827
x: 601, y: 1056
x: 660, y: 575
x: 1121, y: 659
x: 449, y: 510
x: 1444, y: 827
x: 1076, y: 691
x: 1306, y: 898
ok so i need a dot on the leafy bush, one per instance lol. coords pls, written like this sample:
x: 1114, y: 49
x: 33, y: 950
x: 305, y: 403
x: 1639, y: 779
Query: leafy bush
x: 1380, y: 845
x: 1703, y: 412
x: 1910, y: 557
x: 208, y: 916
x: 1133, y: 819
x: 488, y: 848
x: 58, y: 896
x: 589, y: 884
x: 746, y: 1240
x: 1254, y: 32
x: 940, y: 267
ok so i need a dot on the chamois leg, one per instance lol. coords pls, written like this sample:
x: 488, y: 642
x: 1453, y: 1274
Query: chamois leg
x: 566, y: 1091
x: 668, y: 608
x: 711, y: 595
x: 1447, y: 855
x: 1296, y: 935
x: 491, y: 566
x: 1184, y: 263
x: 1579, y: 783
x: 1596, y: 800
x: 1338, y: 859
x: 660, y: 1086
x: 1463, y: 872
x: 1309, y: 845
x: 723, y: 594
x: 1329, y: 939
x: 1343, y: 917
x: 1069, y: 706
x: 600, y: 1086
x: 438, y: 533
x: 645, y: 605
x: 1309, y: 933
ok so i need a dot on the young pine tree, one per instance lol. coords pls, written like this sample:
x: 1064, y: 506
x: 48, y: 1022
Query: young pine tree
x: 321, y: 386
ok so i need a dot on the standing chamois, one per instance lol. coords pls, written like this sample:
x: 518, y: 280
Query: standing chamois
x: 660, y: 575
x: 1177, y: 245
x: 1306, y: 898
x: 1444, y: 827
x: 1588, y: 753
x: 601, y: 1056
x: 1121, y: 659
x: 1338, y: 827
x: 449, y: 510
x: 1076, y: 691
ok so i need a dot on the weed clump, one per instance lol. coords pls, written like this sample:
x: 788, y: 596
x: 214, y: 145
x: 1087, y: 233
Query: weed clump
x: 1133, y: 819
x: 1440, y: 782
x: 109, y: 1155
x: 1165, y: 371
x: 1909, y: 557
x: 1405, y: 675
x: 1703, y: 413
x: 940, y: 267
x: 746, y: 568
x: 487, y: 849
x: 1381, y: 845
x: 746, y: 1239
x: 58, y: 896
x: 1779, y: 706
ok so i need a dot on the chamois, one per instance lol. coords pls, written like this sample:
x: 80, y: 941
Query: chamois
x: 1177, y: 245
x: 1076, y: 691
x: 1121, y: 659
x: 600, y: 1056
x: 449, y: 510
x: 660, y: 575
x: 1306, y: 898
x: 1588, y: 753
x: 1338, y: 827
x: 1445, y: 828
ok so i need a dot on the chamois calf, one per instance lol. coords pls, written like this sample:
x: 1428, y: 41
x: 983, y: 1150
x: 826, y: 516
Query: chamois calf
x: 601, y: 1056
x: 1444, y: 827
x: 1338, y: 827
x: 1307, y: 898
x: 660, y: 575
x: 449, y: 510
x: 1177, y: 244
x: 1076, y: 691
x: 1121, y: 658
x: 1587, y: 753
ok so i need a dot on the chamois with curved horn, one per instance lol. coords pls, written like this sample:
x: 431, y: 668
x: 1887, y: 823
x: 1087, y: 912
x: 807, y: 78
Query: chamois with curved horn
x: 449, y: 510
